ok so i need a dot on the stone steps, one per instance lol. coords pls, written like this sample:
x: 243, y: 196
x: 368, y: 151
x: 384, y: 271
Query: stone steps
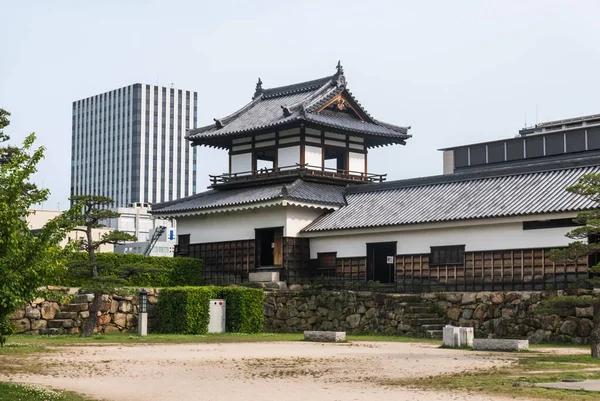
x: 434, y: 333
x: 419, y: 309
x: 60, y: 323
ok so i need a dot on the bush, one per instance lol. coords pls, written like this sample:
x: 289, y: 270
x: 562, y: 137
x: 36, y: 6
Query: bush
x: 136, y: 270
x: 244, y: 309
x: 185, y: 310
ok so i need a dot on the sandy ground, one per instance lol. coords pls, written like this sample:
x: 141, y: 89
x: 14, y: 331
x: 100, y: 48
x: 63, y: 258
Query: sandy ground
x: 255, y: 371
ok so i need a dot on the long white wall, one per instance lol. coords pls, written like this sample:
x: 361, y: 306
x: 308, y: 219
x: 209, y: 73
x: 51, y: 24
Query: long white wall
x: 313, y: 157
x: 288, y: 157
x: 230, y: 226
x: 475, y: 238
x: 240, y: 225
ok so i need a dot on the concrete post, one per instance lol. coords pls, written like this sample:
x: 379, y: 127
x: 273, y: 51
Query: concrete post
x: 142, y: 324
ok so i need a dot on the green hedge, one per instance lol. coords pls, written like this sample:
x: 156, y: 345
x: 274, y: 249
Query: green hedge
x: 185, y: 310
x: 136, y: 270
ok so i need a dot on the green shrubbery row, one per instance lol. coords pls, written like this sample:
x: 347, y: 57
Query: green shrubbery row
x: 185, y: 310
x: 136, y: 270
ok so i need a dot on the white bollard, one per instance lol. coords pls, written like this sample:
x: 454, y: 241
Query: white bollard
x: 451, y: 336
x: 465, y: 337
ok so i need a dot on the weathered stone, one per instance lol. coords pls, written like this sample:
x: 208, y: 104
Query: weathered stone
x: 322, y: 311
x: 467, y: 313
x: 282, y: 314
x: 111, y: 329
x: 568, y: 327
x: 480, y: 312
x: 584, y: 329
x: 38, y: 324
x: 469, y: 298
x: 493, y: 344
x: 32, y: 312
x: 104, y: 320
x: 293, y: 312
x: 104, y: 306
x: 82, y: 299
x: 584, y: 312
x: 453, y: 313
x: 268, y: 310
x: 327, y: 326
x: 353, y: 320
x: 84, y: 314
x: 49, y: 310
x: 125, y: 307
x: 371, y: 313
x: 18, y: 314
x: 550, y: 322
x: 119, y: 319
x: 498, y: 297
x: 539, y: 336
x: 360, y: 308
x: 292, y: 321
x: 37, y: 301
x: 114, y: 306
x: 152, y: 299
x: 66, y: 315
x: 325, y: 336
x: 454, y: 297
x: 74, y: 307
x: 21, y: 325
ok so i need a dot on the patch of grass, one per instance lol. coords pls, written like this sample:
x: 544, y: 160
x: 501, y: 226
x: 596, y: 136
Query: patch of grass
x: 128, y: 338
x: 528, y: 368
x: 13, y: 392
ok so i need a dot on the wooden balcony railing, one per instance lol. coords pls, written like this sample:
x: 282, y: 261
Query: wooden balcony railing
x: 297, y: 169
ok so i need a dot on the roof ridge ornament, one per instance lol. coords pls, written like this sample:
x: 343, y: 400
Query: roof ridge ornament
x: 218, y: 123
x: 258, y: 90
x: 339, y: 78
x: 286, y: 111
x: 284, y: 191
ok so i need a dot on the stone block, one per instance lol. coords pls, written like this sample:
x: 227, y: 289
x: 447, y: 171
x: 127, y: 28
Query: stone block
x: 584, y: 312
x: 469, y: 298
x: 74, y: 307
x: 125, y: 307
x: 38, y: 324
x: 49, y: 309
x: 33, y: 313
x: 568, y: 327
x: 82, y: 299
x: 66, y: 315
x: 325, y: 336
x: 21, y: 325
x: 263, y: 277
x: 353, y: 320
x: 495, y: 344
x: 18, y: 314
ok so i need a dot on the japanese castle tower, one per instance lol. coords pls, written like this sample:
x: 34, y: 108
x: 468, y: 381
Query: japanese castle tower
x: 298, y: 202
x: 292, y: 151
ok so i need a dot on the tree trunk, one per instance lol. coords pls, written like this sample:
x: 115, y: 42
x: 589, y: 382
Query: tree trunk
x: 92, y: 321
x: 91, y: 252
x: 595, y: 334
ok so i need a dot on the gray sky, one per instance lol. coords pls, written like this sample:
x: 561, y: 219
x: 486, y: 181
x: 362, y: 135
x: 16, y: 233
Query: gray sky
x: 456, y: 71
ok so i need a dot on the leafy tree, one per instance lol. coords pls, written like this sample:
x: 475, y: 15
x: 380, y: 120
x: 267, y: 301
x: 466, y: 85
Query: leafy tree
x: 584, y: 244
x: 27, y: 260
x: 88, y: 212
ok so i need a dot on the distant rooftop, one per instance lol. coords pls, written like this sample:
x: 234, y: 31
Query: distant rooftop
x: 559, y: 125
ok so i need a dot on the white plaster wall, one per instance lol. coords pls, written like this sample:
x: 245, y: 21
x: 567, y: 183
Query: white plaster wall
x: 448, y: 161
x: 241, y: 163
x: 298, y: 218
x: 475, y: 238
x: 357, y: 163
x: 313, y: 157
x: 230, y: 226
x: 288, y: 157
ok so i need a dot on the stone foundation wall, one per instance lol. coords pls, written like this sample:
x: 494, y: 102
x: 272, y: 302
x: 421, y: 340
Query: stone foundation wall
x: 62, y: 311
x: 499, y: 314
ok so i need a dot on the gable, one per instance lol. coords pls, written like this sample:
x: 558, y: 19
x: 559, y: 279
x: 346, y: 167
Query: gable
x: 342, y: 105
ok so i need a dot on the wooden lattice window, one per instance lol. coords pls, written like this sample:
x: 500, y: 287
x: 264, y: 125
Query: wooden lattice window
x: 447, y: 255
x: 327, y: 260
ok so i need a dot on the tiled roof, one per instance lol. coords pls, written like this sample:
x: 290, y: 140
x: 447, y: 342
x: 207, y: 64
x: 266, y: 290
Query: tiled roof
x: 300, y: 191
x: 301, y: 102
x: 528, y: 190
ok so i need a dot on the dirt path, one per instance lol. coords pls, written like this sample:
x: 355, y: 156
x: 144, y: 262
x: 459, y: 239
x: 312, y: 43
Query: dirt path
x: 255, y: 371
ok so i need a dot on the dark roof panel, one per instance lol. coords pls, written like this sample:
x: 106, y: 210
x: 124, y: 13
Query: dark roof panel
x: 458, y: 197
x: 302, y: 102
x: 299, y: 190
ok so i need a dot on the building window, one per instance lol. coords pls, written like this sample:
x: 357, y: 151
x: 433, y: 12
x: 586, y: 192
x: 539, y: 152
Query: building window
x: 447, y: 255
x: 183, y: 245
x: 334, y: 159
x: 265, y: 160
x: 552, y: 223
x: 327, y: 260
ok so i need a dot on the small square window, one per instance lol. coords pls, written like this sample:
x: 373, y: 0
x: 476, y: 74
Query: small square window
x: 447, y: 255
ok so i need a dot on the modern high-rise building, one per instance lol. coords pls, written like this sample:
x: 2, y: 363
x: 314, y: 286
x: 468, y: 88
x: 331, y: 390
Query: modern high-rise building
x: 129, y: 144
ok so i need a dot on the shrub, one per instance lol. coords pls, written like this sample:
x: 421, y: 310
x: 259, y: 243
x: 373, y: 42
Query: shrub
x: 244, y: 312
x: 136, y: 270
x: 185, y: 310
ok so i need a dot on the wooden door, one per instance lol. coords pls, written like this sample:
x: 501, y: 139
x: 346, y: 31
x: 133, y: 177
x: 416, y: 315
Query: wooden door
x: 278, y: 247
